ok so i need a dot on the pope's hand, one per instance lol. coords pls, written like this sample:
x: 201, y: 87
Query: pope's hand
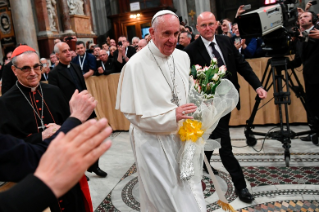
x: 261, y: 93
x: 183, y: 110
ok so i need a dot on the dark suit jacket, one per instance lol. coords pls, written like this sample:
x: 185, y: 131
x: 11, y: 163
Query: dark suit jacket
x: 24, y: 196
x: 130, y: 52
x: 233, y: 60
x: 89, y: 62
x: 111, y: 66
x: 43, y: 78
x: 19, y: 159
x: 59, y: 77
x: 307, y: 54
x: 8, y: 78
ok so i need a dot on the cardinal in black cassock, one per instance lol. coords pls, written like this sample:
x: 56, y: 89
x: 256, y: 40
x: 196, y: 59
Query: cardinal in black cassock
x: 21, y: 109
x: 26, y: 109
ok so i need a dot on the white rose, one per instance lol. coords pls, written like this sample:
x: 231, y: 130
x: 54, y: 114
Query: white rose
x: 205, y: 68
x: 222, y: 69
x: 198, y: 67
x: 215, y: 60
x: 215, y: 77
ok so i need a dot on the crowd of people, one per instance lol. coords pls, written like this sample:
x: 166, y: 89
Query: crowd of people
x: 35, y: 113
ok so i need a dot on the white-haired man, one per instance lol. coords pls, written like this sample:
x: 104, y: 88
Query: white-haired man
x: 152, y: 94
x: 45, y: 69
x: 135, y: 41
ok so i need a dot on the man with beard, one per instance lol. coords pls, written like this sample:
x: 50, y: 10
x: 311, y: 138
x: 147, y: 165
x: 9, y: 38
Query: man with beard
x: 307, y: 55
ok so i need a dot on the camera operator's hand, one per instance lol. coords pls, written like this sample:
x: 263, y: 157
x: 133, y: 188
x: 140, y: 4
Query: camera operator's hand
x: 237, y: 45
x: 308, y: 5
x: 261, y: 93
x: 314, y: 33
x: 240, y: 10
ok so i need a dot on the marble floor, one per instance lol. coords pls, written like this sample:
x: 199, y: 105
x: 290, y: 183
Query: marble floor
x: 275, y: 186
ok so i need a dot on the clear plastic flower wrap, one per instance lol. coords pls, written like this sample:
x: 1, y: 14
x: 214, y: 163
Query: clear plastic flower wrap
x: 194, y: 133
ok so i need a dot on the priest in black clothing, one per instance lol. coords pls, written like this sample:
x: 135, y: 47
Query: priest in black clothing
x: 34, y: 112
x: 106, y: 65
x: 31, y: 110
x: 68, y: 77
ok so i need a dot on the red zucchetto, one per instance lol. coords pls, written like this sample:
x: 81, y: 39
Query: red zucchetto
x: 21, y: 49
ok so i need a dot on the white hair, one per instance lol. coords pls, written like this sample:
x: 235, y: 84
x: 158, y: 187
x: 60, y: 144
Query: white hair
x: 159, y: 20
x: 138, y: 39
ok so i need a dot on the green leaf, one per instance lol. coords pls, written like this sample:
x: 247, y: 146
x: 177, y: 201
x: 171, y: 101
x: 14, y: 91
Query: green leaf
x: 193, y: 72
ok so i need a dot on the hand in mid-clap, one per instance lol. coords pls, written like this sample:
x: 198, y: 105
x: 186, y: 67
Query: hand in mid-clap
x: 82, y: 105
x: 183, y: 110
x: 68, y: 156
x: 100, y: 70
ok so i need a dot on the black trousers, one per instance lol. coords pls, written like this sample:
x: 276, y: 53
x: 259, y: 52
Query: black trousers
x: 228, y: 159
x: 95, y: 165
x: 312, y: 105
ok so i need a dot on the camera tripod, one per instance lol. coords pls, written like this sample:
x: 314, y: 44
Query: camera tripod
x: 281, y: 98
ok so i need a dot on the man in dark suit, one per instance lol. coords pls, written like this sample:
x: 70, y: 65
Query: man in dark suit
x: 123, y: 53
x: 307, y: 54
x: 201, y: 51
x: 68, y: 77
x: 106, y: 65
x: 58, y: 170
x: 45, y: 69
x: 184, y: 40
x: 86, y: 61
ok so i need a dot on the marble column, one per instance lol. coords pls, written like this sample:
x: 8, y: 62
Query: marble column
x: 42, y: 17
x: 87, y: 11
x: 65, y: 17
x: 181, y: 9
x: 23, y: 22
x: 201, y: 6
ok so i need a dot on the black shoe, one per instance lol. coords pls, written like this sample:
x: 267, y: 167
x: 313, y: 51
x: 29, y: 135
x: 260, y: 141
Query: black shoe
x: 214, y: 170
x: 244, y: 195
x: 98, y: 172
x: 306, y: 138
x: 87, y: 178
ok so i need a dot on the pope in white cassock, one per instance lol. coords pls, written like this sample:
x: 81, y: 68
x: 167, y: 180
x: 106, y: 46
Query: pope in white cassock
x: 152, y: 94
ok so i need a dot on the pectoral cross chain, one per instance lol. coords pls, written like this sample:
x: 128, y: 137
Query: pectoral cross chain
x: 175, y: 99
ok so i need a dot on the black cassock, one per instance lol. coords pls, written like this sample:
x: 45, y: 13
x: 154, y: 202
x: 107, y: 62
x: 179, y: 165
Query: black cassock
x: 17, y: 117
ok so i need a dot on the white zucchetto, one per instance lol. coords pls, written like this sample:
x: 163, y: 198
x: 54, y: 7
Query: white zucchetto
x: 162, y: 12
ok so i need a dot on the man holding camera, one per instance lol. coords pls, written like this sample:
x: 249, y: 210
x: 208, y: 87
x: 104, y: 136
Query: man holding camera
x: 123, y: 53
x: 307, y: 54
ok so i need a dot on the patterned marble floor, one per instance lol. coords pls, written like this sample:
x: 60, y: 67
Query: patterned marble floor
x: 275, y: 186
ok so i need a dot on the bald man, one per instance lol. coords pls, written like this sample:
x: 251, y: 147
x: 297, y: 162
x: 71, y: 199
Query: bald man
x: 201, y: 52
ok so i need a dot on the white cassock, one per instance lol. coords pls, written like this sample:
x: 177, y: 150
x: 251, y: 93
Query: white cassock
x: 144, y: 96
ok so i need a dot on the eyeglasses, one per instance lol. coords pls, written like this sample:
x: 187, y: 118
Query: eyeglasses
x: 204, y: 26
x: 36, y: 67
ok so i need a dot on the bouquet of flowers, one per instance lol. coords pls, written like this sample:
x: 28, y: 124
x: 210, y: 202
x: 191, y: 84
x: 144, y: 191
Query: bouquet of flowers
x: 214, y: 97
